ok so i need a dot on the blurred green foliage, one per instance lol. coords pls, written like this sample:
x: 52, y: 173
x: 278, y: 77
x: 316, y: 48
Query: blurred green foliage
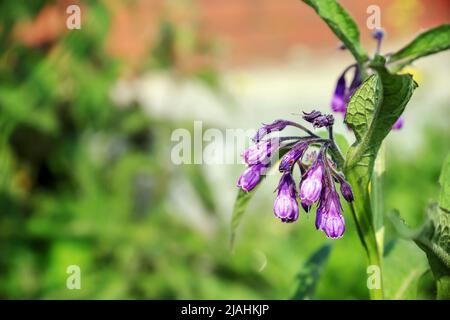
x: 85, y: 183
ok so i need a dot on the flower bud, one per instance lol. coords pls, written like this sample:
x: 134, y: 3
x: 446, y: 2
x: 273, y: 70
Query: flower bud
x: 346, y: 191
x: 329, y: 217
x: 311, y: 186
x: 277, y: 125
x: 261, y: 152
x: 290, y: 158
x: 285, y: 206
x: 251, y: 177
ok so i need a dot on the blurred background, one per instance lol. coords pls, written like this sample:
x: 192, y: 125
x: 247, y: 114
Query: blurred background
x: 86, y: 118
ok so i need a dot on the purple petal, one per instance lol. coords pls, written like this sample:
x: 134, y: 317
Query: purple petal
x: 251, y: 177
x: 399, y: 123
x: 338, y: 103
x: 277, y: 125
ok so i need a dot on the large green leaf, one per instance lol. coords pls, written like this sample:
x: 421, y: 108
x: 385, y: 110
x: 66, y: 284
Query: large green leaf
x: 342, y: 24
x: 429, y: 42
x: 309, y: 274
x: 403, y: 266
x: 373, y: 109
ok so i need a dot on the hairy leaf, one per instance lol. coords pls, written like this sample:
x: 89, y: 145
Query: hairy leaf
x: 429, y: 42
x: 342, y: 24
x: 372, y: 110
x: 309, y: 274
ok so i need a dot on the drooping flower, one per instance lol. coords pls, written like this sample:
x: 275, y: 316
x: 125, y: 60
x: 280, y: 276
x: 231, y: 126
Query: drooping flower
x: 311, y: 185
x: 338, y: 103
x: 342, y: 93
x: 329, y: 216
x: 319, y: 173
x: 277, y: 125
x: 251, y: 177
x: 260, y: 153
x: 285, y: 206
x: 292, y: 156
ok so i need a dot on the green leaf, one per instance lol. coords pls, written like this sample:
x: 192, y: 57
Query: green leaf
x: 429, y: 42
x: 434, y: 239
x: 372, y: 110
x: 309, y: 274
x: 240, y: 206
x: 342, y: 24
x: 403, y: 267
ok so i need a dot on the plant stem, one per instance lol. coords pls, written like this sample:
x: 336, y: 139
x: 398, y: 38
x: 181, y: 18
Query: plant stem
x: 362, y: 215
x: 377, y: 196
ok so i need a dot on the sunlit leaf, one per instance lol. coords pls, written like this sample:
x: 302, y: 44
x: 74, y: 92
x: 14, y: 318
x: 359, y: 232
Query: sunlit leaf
x: 342, y: 24
x: 429, y: 42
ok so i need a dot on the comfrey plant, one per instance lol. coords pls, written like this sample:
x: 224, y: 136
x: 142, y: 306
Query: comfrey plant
x: 372, y: 105
x: 318, y: 177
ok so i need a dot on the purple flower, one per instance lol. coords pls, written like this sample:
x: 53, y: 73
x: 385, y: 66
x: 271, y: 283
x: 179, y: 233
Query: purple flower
x: 285, y: 206
x: 329, y: 217
x: 378, y: 35
x: 342, y: 94
x: 261, y: 152
x: 310, y: 116
x: 250, y: 177
x: 311, y: 185
x: 338, y: 103
x: 290, y: 158
x: 346, y: 190
x: 277, y: 125
x: 399, y: 123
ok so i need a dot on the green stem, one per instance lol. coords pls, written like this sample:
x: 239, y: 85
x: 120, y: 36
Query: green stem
x: 362, y: 215
x: 377, y: 196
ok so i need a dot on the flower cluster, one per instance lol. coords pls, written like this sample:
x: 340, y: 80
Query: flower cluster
x: 318, y: 172
x: 343, y: 92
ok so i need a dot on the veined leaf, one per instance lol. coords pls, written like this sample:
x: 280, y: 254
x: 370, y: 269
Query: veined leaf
x: 342, y: 24
x: 429, y: 42
x: 309, y: 275
x: 372, y: 110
